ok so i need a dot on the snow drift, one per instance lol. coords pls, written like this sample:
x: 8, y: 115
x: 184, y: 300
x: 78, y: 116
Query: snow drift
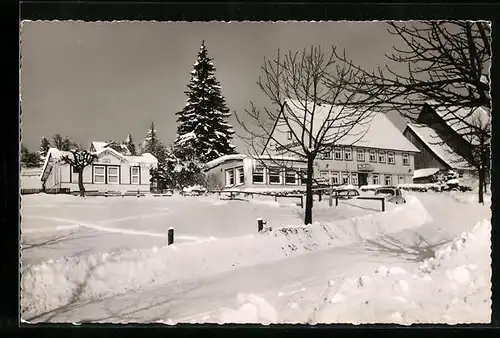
x: 53, y: 284
x: 451, y: 287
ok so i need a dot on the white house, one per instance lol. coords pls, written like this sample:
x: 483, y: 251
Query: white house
x: 111, y: 171
x: 242, y: 172
x: 373, y: 153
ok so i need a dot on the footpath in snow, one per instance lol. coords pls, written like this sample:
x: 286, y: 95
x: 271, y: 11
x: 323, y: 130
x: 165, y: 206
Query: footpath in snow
x: 57, y: 283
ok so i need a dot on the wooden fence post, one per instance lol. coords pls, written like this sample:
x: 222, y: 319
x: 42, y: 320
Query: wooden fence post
x: 330, y: 198
x: 336, y: 200
x: 260, y: 224
x: 319, y: 194
x: 302, y: 201
x: 383, y: 204
x: 170, y: 239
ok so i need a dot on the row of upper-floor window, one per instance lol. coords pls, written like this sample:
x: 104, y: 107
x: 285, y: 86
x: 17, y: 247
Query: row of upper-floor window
x: 374, y: 156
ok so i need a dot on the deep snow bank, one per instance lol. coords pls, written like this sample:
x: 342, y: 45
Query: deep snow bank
x: 451, y: 287
x: 52, y: 284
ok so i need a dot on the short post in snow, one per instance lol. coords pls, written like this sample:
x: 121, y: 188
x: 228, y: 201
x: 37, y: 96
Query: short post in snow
x: 319, y: 194
x: 260, y: 224
x: 330, y: 198
x: 170, y: 239
x: 302, y: 201
x: 383, y: 204
x: 336, y: 200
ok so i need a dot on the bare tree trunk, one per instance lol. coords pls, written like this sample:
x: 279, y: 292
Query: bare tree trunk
x: 481, y: 184
x: 309, y: 192
x: 80, y: 183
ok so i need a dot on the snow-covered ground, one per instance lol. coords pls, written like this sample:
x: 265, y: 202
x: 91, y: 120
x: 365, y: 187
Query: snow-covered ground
x: 108, y: 262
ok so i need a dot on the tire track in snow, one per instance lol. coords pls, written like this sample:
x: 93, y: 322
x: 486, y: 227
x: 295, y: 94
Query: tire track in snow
x: 74, y: 224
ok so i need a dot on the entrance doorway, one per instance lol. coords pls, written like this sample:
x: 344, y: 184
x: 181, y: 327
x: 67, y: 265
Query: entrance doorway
x: 362, y: 179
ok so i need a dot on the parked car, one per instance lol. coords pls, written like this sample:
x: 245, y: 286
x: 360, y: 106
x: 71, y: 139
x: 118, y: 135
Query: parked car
x: 346, y: 193
x: 392, y: 194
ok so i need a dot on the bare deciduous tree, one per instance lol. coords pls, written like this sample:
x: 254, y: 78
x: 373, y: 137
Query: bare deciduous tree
x: 309, y: 92
x: 80, y: 159
x: 447, y: 62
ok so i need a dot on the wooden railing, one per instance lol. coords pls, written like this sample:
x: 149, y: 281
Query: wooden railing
x: 47, y: 191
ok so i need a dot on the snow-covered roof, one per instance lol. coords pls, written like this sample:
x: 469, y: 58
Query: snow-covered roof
x: 377, y: 131
x: 279, y: 158
x: 460, y: 118
x: 218, y: 161
x: 437, y: 145
x: 145, y: 158
x: 98, y: 146
x: 419, y: 173
x: 52, y: 153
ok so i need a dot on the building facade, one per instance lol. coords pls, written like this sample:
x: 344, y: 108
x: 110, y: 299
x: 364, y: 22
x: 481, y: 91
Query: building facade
x: 360, y: 166
x: 266, y: 173
x: 382, y: 156
x: 439, y: 143
x: 110, y: 171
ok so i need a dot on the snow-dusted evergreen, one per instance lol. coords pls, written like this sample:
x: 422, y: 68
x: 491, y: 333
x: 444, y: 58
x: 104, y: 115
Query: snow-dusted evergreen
x: 152, y: 145
x: 181, y: 169
x: 129, y: 143
x: 203, y: 122
x: 44, y: 148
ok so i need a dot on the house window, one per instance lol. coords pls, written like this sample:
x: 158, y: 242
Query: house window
x: 289, y: 135
x: 360, y: 155
x: 275, y: 176
x: 327, y: 155
x: 401, y: 179
x: 334, y: 177
x: 229, y: 177
x: 406, y: 159
x: 348, y: 154
x: 376, y: 179
x: 113, y: 175
x: 381, y: 156
x: 135, y: 173
x: 345, y: 178
x: 240, y: 176
x: 291, y: 177
x: 258, y: 175
x: 99, y: 174
x: 388, y: 180
x: 354, y: 178
x: 303, y: 177
x: 373, y: 156
x: 390, y: 158
x: 338, y: 154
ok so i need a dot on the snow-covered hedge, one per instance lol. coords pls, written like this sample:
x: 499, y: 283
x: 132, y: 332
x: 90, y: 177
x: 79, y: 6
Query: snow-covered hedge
x: 52, y: 284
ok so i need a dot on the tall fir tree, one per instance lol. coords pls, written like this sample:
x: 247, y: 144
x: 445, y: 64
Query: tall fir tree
x: 44, y: 148
x: 129, y: 143
x: 202, y: 124
x: 153, y: 145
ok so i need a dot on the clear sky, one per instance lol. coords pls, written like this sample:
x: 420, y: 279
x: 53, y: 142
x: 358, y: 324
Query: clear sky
x: 95, y: 81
